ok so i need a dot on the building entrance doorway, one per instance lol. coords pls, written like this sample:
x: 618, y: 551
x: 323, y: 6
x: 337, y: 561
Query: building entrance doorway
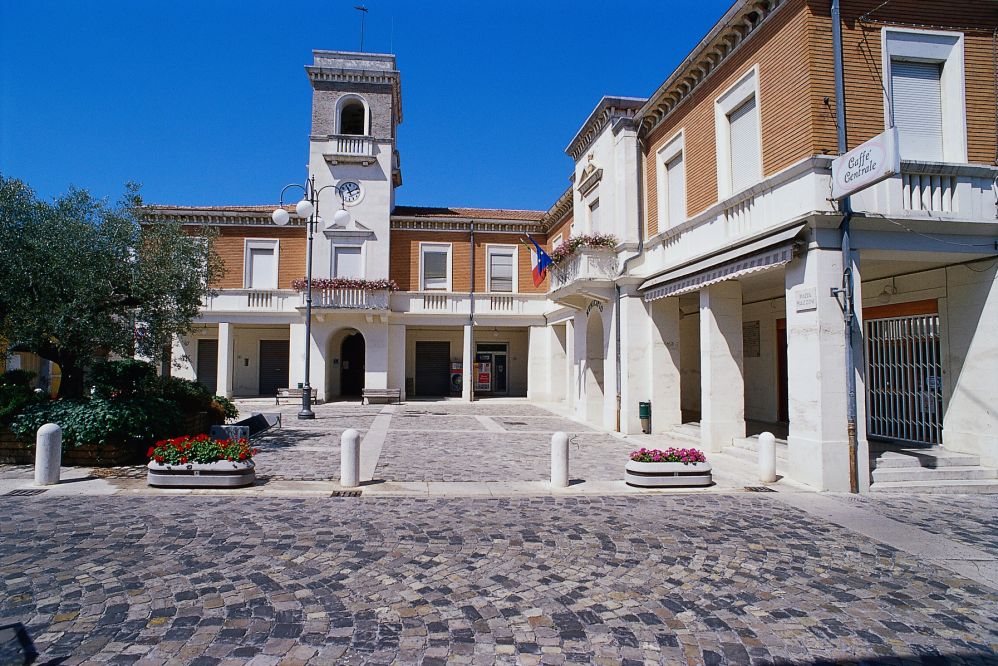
x: 492, y: 373
x: 352, y: 352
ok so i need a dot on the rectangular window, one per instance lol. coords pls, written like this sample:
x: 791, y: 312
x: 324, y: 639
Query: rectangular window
x: 347, y: 262
x: 436, y: 269
x: 262, y: 268
x: 557, y: 241
x: 501, y: 267
x: 743, y: 142
x: 676, y: 183
x: 594, y: 216
x: 916, y: 99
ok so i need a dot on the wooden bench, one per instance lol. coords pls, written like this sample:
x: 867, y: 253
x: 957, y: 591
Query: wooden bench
x: 387, y: 394
x: 292, y: 393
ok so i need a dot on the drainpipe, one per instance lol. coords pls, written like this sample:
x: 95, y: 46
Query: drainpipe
x: 847, y: 277
x: 639, y: 145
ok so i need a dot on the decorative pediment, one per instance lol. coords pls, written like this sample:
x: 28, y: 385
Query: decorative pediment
x: 353, y: 231
x: 589, y: 178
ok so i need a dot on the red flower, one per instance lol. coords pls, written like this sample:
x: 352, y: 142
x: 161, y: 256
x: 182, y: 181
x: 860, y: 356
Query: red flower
x: 183, y: 459
x: 242, y: 456
x: 151, y: 451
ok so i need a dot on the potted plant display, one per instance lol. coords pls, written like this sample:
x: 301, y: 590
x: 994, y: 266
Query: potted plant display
x: 653, y: 468
x: 202, y: 462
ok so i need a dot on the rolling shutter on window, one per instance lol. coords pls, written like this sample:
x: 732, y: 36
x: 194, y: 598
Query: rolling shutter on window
x: 434, y: 269
x: 677, y: 190
x: 348, y: 262
x: 501, y: 272
x: 743, y: 124
x: 263, y: 269
x: 916, y: 97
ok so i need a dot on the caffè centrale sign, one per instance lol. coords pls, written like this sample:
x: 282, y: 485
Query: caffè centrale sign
x: 867, y: 164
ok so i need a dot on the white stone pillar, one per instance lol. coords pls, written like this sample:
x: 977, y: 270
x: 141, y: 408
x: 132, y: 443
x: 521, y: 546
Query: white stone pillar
x: 722, y: 382
x: 376, y: 356
x: 296, y: 352
x: 468, y: 363
x: 396, y: 357
x: 538, y: 363
x: 223, y: 386
x: 818, y: 441
x: 571, y: 365
x: 636, y: 359
x: 666, y: 396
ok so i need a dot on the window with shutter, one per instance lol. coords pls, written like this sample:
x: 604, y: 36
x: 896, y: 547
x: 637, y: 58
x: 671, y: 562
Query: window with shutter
x: 348, y: 262
x: 435, y: 268
x: 676, y: 182
x: 594, y: 216
x: 501, y: 270
x: 916, y: 100
x: 263, y: 268
x: 743, y: 133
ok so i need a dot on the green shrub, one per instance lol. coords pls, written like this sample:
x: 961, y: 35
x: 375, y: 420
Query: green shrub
x: 123, y: 378
x: 225, y: 407
x: 194, y: 397
x: 15, y: 397
x: 103, y: 421
x: 17, y: 378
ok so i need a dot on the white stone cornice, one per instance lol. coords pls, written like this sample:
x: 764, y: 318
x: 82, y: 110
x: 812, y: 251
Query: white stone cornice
x: 560, y: 210
x: 464, y: 225
x: 608, y: 110
x: 213, y: 217
x: 727, y: 35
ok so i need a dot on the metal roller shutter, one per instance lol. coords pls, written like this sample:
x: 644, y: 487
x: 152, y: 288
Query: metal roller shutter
x: 744, y: 132
x: 432, y: 368
x: 208, y: 363
x: 916, y: 98
x: 274, y: 356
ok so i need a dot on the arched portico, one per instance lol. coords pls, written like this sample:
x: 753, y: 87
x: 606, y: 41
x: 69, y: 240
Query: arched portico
x: 346, y: 362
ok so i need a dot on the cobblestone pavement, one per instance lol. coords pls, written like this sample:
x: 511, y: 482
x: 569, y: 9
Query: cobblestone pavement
x: 967, y: 519
x: 699, y: 579
x: 496, y: 456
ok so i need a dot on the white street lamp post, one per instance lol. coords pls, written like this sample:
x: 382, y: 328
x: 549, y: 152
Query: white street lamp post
x: 308, y: 209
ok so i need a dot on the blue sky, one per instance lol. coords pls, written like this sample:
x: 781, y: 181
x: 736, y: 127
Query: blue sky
x: 207, y: 103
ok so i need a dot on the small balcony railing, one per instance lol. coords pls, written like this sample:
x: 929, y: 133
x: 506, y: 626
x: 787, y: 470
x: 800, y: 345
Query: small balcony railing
x: 587, y: 265
x: 349, y: 148
x: 253, y: 300
x: 349, y: 299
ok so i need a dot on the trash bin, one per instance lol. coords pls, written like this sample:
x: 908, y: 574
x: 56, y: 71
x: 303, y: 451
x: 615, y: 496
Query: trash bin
x: 644, y: 413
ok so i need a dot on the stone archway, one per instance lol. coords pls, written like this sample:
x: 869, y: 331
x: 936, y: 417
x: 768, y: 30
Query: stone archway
x: 352, y: 365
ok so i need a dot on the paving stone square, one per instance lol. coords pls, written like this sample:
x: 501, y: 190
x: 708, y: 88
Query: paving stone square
x: 692, y: 579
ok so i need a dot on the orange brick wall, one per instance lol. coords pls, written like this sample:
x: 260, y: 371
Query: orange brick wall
x: 779, y: 48
x: 863, y: 67
x: 230, y: 246
x: 563, y: 228
x: 404, y: 262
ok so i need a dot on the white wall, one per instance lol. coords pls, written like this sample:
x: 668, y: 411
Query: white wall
x: 761, y: 373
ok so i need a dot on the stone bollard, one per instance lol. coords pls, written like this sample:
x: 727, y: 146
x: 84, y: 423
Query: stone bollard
x: 48, y: 455
x: 767, y: 457
x: 350, y: 459
x: 559, y: 460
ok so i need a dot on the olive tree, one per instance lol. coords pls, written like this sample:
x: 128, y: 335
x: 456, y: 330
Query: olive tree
x: 81, y: 278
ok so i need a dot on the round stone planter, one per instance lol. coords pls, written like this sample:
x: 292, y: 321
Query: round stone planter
x: 221, y: 474
x: 666, y: 475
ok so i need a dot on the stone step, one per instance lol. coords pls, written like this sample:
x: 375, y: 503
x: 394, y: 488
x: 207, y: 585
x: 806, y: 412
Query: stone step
x: 752, y: 444
x: 948, y: 487
x: 688, y: 433
x: 925, y: 474
x: 934, y: 457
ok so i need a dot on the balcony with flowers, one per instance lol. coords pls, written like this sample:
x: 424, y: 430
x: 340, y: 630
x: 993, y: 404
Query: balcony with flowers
x: 347, y: 293
x: 584, y: 269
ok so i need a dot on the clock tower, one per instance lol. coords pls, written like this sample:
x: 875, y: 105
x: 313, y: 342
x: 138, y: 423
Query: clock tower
x: 356, y: 108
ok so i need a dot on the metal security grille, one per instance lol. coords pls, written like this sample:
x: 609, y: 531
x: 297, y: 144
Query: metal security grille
x: 904, y: 379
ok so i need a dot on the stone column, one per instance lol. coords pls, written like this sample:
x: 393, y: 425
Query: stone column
x: 296, y: 362
x: 636, y: 360
x: 225, y: 346
x: 571, y: 365
x: 539, y: 368
x: 722, y: 382
x: 396, y: 357
x: 666, y: 395
x: 468, y: 363
x: 819, y: 450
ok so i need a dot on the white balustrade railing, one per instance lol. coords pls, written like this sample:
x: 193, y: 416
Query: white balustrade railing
x: 928, y: 192
x: 586, y: 264
x: 260, y: 298
x: 353, y: 146
x: 256, y: 300
x: 350, y: 298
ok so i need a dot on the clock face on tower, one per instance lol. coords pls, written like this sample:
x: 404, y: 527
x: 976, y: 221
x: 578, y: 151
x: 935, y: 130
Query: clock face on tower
x: 350, y: 191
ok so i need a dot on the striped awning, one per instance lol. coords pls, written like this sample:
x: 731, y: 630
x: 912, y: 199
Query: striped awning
x: 760, y: 255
